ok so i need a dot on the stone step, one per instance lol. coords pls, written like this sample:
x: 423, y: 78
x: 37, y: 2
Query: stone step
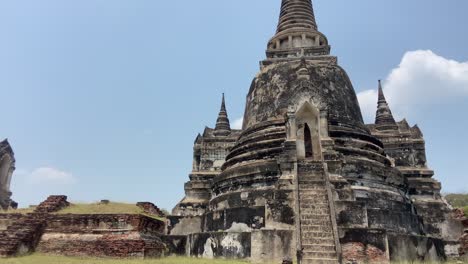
x: 317, y: 175
x: 319, y: 248
x: 308, y: 169
x: 315, y: 200
x: 309, y: 205
x: 307, y: 211
x: 325, y: 254
x: 308, y: 222
x: 317, y: 228
x: 318, y: 191
x: 310, y: 179
x: 319, y: 261
x: 314, y: 206
x: 308, y: 234
x: 315, y: 216
x: 316, y: 241
x: 309, y: 195
x: 310, y: 186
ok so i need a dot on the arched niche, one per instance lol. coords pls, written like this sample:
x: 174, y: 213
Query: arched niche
x: 6, y: 165
x: 307, y: 120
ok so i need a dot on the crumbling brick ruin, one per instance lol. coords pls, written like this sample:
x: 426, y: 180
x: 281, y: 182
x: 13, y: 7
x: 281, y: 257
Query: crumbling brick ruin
x: 305, y: 178
x: 96, y: 235
x: 463, y: 250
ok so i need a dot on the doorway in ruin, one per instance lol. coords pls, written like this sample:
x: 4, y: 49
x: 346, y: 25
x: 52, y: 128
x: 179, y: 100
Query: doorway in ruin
x: 308, y: 133
x: 309, y: 152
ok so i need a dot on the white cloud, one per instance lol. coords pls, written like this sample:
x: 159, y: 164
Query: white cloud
x: 422, y: 79
x: 368, y: 102
x: 49, y: 175
x: 238, y: 123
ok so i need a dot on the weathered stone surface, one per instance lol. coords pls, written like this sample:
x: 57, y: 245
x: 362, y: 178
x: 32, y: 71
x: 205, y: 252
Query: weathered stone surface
x: 150, y: 208
x: 220, y: 244
x: 306, y: 165
x: 7, y: 167
x: 184, y: 225
x: 209, y: 153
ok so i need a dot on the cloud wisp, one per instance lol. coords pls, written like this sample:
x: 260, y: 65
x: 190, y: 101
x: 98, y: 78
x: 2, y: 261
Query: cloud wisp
x: 237, y: 124
x: 422, y: 79
x: 47, y: 175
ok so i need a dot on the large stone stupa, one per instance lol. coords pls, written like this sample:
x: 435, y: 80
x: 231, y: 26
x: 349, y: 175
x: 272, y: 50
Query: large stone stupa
x: 306, y: 179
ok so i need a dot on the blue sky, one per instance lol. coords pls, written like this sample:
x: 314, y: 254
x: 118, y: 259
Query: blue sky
x: 103, y: 99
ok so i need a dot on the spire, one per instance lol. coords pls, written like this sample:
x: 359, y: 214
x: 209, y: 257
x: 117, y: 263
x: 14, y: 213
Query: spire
x: 384, y: 117
x: 297, y: 34
x: 296, y: 14
x: 223, y: 128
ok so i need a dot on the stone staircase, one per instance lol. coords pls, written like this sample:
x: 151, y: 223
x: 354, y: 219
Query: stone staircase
x: 53, y: 203
x: 22, y: 236
x: 316, y: 225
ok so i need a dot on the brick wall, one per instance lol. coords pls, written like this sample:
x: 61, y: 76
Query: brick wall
x: 150, y: 208
x: 92, y: 223
x: 52, y: 204
x: 103, y: 235
x: 129, y: 245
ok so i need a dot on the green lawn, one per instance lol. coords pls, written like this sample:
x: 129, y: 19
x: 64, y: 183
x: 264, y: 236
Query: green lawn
x: 42, y: 259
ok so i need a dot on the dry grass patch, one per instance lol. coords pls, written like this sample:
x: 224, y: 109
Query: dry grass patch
x: 105, y: 208
x: 19, y: 211
x: 101, y: 208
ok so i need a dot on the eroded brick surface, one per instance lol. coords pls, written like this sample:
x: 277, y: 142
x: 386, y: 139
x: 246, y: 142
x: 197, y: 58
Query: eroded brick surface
x: 99, y: 235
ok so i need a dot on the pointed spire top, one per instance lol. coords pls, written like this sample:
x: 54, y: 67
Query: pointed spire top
x: 223, y: 105
x: 297, y: 34
x: 384, y: 118
x: 223, y: 127
x: 381, y: 93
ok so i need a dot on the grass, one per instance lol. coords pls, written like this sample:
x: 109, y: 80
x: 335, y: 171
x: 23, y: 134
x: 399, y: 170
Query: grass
x: 100, y: 208
x: 43, y: 259
x: 19, y: 211
x: 108, y: 208
x: 92, y: 208
x: 457, y: 200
